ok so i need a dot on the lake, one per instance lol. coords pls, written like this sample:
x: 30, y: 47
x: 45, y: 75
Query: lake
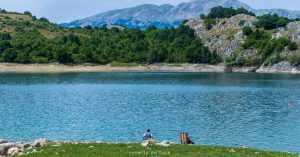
x: 226, y: 109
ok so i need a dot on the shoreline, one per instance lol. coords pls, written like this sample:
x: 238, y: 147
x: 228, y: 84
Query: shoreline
x: 65, y: 68
x: 44, y: 147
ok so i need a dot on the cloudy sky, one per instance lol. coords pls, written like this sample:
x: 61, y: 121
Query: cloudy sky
x: 67, y: 10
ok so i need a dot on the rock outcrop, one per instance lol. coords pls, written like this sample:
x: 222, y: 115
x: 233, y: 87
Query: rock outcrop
x: 226, y: 37
x: 19, y: 148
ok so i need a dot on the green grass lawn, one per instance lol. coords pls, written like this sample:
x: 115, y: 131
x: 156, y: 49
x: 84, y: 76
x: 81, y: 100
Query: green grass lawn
x: 136, y: 150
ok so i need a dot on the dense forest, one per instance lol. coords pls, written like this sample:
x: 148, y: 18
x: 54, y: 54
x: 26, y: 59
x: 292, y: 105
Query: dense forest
x: 30, y: 42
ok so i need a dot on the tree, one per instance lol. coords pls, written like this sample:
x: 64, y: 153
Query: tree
x: 247, y: 31
x: 9, y: 55
x: 27, y: 13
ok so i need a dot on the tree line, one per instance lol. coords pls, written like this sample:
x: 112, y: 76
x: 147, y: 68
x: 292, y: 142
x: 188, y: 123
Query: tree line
x: 266, y: 21
x: 102, y: 45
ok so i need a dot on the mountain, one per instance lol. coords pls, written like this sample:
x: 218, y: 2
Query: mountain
x: 167, y: 15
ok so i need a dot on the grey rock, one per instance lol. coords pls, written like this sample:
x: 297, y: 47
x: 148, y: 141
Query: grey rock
x: 148, y: 142
x: 3, y: 141
x: 40, y: 142
x: 26, y: 145
x: 164, y: 144
x: 4, y: 148
x: 13, y: 151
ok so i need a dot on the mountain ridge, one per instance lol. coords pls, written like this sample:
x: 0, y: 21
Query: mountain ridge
x: 167, y: 15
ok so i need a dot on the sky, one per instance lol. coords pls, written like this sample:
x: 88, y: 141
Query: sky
x: 60, y: 11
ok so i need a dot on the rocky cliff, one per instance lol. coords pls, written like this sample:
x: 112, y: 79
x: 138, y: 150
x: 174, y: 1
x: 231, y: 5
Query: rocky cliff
x: 227, y: 38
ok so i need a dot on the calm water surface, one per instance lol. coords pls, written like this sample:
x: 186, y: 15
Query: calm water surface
x: 215, y: 108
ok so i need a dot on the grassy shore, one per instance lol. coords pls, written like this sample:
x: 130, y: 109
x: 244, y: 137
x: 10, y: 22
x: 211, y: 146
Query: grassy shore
x: 136, y: 150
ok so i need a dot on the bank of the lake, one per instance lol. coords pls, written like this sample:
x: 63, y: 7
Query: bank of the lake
x: 135, y: 150
x: 46, y: 148
x: 282, y: 67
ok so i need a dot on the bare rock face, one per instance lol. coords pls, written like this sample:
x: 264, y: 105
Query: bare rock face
x: 292, y: 31
x: 283, y: 67
x: 226, y: 37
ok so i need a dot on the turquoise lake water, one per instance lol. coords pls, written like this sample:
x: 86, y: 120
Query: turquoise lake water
x: 227, y: 109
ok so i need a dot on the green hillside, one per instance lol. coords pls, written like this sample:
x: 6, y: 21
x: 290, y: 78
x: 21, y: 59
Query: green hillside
x: 26, y: 39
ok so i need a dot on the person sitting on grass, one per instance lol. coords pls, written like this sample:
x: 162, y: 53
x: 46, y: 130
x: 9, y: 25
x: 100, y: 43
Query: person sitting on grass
x: 148, y: 135
x: 188, y: 139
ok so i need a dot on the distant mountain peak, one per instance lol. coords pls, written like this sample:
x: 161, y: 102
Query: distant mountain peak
x: 167, y: 15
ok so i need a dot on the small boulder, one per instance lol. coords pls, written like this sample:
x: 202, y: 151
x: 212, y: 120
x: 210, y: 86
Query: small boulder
x: 4, y: 148
x: 164, y: 144
x: 26, y: 145
x: 40, y: 142
x: 19, y: 144
x: 3, y: 141
x: 13, y: 151
x: 147, y: 142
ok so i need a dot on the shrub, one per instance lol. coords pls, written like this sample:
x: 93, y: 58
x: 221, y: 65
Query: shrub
x: 215, y: 58
x: 269, y: 21
x: 209, y: 23
x: 36, y: 59
x: 9, y: 55
x: 43, y: 19
x: 27, y: 13
x: 247, y: 31
x: 273, y: 60
x: 292, y: 46
x: 295, y: 59
x: 242, y: 22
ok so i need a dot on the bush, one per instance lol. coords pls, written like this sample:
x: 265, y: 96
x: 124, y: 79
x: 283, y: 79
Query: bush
x: 254, y: 60
x: 295, y: 59
x: 5, y: 36
x: 120, y: 64
x: 221, y: 12
x: 43, y: 19
x: 27, y: 13
x: 78, y: 58
x: 242, y: 22
x: 209, y: 23
x: 36, y: 59
x: 9, y: 55
x: 7, y: 17
x: 247, y: 31
x: 273, y: 60
x: 272, y: 21
x: 215, y: 58
x: 292, y: 46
